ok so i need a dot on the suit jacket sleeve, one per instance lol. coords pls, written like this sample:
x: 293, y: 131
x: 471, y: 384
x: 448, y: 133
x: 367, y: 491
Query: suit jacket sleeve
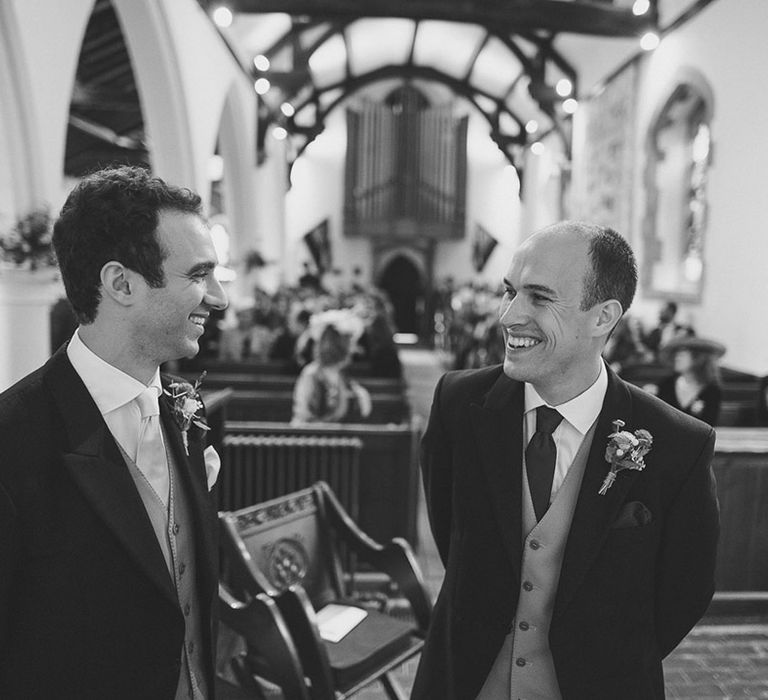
x: 686, y: 564
x: 436, y: 467
x: 8, y: 544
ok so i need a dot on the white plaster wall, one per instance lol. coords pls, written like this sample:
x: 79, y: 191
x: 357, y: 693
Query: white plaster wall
x: 207, y: 71
x: 184, y: 74
x: 48, y: 35
x: 317, y: 193
x: 8, y: 206
x: 272, y: 239
x: 493, y: 201
x: 725, y: 42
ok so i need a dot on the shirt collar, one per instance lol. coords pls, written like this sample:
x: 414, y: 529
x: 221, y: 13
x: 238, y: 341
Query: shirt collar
x: 109, y: 386
x: 582, y: 410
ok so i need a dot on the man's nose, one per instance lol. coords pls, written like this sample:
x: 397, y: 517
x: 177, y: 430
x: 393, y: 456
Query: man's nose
x: 215, y: 296
x: 511, y: 311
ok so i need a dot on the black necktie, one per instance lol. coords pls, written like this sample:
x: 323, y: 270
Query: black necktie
x: 540, y: 456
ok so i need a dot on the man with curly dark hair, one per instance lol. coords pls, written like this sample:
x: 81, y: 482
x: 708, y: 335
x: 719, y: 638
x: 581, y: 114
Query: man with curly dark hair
x: 107, y: 530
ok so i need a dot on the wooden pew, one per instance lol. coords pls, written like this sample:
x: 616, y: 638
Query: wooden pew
x: 741, y: 391
x: 247, y: 380
x: 388, y: 479
x: 248, y: 404
x: 741, y: 471
x: 216, y: 412
x: 270, y: 398
x: 359, y: 368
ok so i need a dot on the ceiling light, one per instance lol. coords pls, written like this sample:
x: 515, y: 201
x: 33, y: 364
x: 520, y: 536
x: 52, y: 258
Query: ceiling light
x: 564, y: 87
x: 261, y: 62
x: 222, y: 16
x: 537, y: 148
x: 641, y: 7
x: 279, y: 133
x: 262, y: 86
x: 570, y: 105
x: 287, y: 109
x: 532, y: 126
x: 649, y: 41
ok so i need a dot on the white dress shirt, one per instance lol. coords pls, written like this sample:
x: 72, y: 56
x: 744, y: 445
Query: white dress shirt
x: 578, y: 416
x: 114, y: 392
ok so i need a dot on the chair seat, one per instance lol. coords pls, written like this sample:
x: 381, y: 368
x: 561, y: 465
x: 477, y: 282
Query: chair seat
x: 367, y: 646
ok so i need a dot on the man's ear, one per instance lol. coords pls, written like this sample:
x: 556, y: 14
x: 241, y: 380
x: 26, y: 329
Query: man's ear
x: 118, y: 283
x: 609, y: 314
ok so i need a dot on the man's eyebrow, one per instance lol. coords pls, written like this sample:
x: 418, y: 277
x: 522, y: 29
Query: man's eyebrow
x: 531, y: 287
x: 206, y: 266
x: 540, y: 288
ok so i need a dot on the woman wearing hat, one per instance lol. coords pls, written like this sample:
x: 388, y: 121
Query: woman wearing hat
x: 694, y: 388
x: 323, y: 391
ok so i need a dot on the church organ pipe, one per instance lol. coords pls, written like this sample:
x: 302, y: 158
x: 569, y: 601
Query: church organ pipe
x: 405, y: 162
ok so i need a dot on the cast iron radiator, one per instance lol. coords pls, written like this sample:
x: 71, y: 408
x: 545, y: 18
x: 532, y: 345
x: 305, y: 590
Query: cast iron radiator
x: 256, y: 468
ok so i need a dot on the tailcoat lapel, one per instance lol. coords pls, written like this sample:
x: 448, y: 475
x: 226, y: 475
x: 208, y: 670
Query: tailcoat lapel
x: 498, y: 428
x: 595, y: 513
x: 193, y: 474
x: 94, y: 462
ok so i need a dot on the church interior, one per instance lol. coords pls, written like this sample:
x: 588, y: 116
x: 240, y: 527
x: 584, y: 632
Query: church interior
x: 378, y: 162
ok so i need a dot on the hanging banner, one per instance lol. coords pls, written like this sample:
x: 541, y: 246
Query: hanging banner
x: 483, y: 244
x: 319, y: 245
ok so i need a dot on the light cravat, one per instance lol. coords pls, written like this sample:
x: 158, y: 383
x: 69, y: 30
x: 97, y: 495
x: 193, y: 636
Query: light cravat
x: 150, y: 455
x: 540, y: 458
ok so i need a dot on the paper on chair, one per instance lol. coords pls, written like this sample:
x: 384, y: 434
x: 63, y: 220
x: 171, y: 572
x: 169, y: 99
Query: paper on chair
x: 336, y: 621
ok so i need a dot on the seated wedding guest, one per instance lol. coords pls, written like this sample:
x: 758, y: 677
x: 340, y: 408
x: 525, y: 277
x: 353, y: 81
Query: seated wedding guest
x: 695, y: 386
x: 380, y: 349
x: 63, y: 323
x: 284, y: 345
x: 323, y: 391
x: 260, y: 335
x: 108, y: 559
x: 762, y: 403
x: 625, y: 346
x: 235, y: 329
x: 668, y: 328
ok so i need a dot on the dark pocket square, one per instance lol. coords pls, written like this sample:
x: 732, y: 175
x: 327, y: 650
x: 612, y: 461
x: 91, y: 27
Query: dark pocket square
x: 632, y: 514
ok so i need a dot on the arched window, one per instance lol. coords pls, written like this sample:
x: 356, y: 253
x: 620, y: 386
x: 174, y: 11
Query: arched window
x: 678, y: 152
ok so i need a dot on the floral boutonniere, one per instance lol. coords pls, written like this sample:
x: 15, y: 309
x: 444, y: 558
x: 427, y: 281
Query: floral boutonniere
x: 185, y: 406
x: 625, y: 450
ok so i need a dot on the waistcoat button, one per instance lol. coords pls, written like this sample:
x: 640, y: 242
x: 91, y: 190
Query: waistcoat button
x: 534, y: 544
x: 524, y: 626
x: 520, y: 662
x: 527, y: 585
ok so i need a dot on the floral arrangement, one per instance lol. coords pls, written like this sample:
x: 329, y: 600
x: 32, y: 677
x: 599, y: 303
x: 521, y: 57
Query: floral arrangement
x: 625, y: 450
x: 29, y: 243
x: 186, y: 406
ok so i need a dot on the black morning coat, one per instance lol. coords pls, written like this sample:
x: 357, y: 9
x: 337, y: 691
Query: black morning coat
x: 88, y: 608
x: 629, y: 590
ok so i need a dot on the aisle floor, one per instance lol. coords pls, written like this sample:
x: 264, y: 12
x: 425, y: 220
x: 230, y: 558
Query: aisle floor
x: 714, y: 662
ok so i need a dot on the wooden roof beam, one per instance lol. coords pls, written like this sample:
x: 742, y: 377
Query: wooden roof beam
x: 580, y: 17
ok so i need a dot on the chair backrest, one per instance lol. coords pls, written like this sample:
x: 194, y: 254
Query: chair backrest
x: 271, y: 652
x: 285, y: 541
